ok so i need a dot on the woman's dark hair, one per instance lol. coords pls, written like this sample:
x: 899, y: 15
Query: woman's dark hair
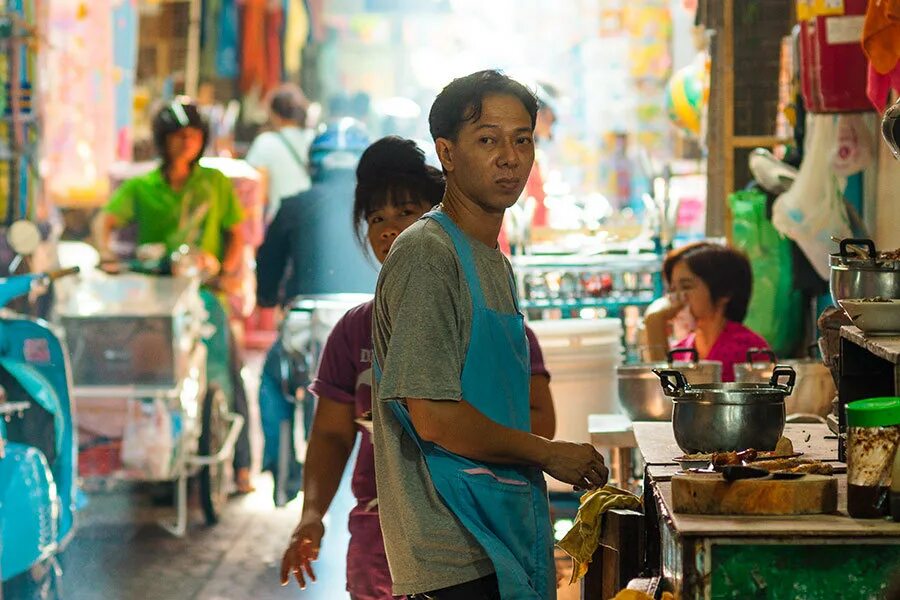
x: 288, y: 102
x: 393, y: 171
x: 460, y: 102
x: 725, y: 271
x: 173, y: 117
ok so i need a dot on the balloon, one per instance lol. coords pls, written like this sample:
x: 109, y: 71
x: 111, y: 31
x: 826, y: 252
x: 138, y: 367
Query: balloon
x: 686, y: 98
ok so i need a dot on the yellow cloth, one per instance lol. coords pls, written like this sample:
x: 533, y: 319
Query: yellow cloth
x: 584, y: 538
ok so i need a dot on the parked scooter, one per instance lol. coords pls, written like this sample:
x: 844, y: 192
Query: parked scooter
x: 38, y: 453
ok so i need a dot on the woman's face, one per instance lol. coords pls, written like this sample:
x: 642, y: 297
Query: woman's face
x: 184, y: 145
x: 386, y: 223
x: 694, y: 292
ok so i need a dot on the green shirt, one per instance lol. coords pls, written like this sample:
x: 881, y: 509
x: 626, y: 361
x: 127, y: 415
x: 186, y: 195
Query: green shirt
x: 198, y: 215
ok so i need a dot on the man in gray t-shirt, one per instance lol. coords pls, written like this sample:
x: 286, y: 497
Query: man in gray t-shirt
x: 422, y: 324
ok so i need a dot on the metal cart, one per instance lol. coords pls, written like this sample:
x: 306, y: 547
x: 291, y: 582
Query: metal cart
x: 139, y: 368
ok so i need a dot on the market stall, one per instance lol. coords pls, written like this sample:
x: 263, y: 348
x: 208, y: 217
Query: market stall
x: 719, y: 556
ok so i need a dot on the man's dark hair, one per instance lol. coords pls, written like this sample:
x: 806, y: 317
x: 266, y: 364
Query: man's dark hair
x: 460, y: 102
x: 725, y: 271
x: 289, y: 102
x: 393, y: 171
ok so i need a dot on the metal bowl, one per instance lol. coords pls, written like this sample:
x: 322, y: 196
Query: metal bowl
x: 875, y: 318
x: 640, y: 395
x: 728, y: 416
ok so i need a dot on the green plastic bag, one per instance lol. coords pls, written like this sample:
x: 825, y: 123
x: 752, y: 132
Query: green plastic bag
x: 776, y: 308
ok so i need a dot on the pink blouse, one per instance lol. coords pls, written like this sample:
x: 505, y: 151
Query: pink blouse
x: 729, y: 348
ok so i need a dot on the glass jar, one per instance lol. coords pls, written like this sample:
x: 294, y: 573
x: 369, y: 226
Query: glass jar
x: 873, y: 435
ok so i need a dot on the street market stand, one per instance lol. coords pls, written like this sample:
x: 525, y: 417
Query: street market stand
x: 811, y: 557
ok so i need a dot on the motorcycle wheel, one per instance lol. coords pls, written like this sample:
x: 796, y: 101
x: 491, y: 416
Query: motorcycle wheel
x: 213, y: 478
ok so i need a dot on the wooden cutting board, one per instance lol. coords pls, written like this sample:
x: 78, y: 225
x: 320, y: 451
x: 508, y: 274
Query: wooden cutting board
x: 710, y: 494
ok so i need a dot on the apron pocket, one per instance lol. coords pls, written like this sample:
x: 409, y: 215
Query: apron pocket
x: 502, y: 505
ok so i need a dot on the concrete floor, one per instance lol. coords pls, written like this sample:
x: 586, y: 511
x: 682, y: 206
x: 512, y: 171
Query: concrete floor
x: 120, y: 553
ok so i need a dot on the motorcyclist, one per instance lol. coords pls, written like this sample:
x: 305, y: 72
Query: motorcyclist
x: 181, y: 203
x: 305, y: 254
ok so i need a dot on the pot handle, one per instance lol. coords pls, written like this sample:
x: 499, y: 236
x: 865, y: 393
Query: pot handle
x: 761, y: 351
x: 780, y: 372
x: 673, y: 382
x: 869, y: 244
x: 694, y: 355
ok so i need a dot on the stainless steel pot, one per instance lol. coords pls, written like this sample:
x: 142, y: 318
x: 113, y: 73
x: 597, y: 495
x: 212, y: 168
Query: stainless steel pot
x: 640, y: 395
x: 813, y: 393
x: 853, y: 276
x: 728, y: 416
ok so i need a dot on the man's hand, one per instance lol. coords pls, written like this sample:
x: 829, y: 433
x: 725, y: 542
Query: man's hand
x: 302, y: 551
x: 578, y: 464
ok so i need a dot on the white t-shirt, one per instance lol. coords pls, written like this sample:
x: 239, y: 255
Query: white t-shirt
x: 286, y: 176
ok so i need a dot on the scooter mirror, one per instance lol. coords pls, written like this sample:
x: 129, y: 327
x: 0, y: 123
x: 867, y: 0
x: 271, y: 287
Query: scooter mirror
x: 24, y: 237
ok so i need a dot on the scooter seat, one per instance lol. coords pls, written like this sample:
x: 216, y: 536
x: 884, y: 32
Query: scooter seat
x: 29, y: 509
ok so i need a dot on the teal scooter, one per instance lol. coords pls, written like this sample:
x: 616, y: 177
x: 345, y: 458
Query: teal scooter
x: 38, y: 452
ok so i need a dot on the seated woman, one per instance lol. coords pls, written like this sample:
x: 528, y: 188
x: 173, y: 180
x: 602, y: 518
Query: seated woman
x: 713, y: 283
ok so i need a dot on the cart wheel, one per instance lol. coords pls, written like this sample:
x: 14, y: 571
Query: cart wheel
x: 213, y: 478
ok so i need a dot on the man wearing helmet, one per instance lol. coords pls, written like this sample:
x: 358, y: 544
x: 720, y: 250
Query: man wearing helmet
x: 180, y: 202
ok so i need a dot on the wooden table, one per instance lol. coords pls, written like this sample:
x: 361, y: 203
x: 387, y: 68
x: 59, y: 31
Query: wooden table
x: 657, y: 441
x: 810, y: 557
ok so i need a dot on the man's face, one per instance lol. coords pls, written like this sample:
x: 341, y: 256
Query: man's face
x: 185, y: 144
x: 491, y: 157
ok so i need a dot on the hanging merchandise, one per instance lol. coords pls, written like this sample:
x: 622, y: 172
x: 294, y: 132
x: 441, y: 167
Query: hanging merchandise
x: 832, y: 63
x: 261, y: 23
x: 296, y: 34
x: 776, y: 308
x: 227, y: 40
x: 881, y: 43
x: 855, y: 146
x: 881, y: 34
x: 813, y: 211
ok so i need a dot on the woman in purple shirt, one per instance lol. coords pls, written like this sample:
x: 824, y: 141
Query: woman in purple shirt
x: 394, y: 189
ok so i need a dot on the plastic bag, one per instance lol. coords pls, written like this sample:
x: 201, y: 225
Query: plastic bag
x: 813, y: 211
x: 776, y: 308
x: 855, y: 146
x: 148, y: 442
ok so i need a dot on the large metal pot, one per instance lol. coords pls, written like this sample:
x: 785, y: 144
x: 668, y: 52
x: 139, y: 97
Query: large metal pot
x: 728, y: 416
x: 854, y: 276
x: 640, y: 395
x: 813, y: 392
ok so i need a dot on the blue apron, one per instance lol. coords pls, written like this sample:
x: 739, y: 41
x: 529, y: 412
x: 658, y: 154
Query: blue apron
x: 504, y: 507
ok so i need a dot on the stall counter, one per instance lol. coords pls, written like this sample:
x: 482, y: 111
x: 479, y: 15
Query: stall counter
x: 810, y: 557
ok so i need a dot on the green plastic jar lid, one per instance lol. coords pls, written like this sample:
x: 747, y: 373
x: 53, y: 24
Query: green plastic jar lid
x: 874, y: 412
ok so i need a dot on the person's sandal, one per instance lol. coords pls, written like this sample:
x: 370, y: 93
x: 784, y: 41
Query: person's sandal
x: 242, y: 482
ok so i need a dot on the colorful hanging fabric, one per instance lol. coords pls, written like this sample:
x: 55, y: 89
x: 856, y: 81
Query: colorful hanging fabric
x: 253, y: 46
x: 881, y: 34
x: 227, y: 42
x: 296, y: 33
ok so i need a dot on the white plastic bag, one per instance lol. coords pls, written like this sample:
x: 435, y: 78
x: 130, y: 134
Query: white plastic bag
x: 813, y: 210
x: 148, y: 443
x: 855, y: 146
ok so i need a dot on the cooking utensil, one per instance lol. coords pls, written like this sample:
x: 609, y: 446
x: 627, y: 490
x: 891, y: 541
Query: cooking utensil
x: 875, y: 318
x: 863, y: 277
x: 687, y: 464
x: 736, y: 472
x: 728, y: 416
x: 640, y: 395
x: 814, y: 391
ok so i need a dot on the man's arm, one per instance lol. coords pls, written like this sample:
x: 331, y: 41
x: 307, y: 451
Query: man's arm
x: 460, y: 428
x: 102, y: 227
x: 272, y: 259
x: 543, y: 415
